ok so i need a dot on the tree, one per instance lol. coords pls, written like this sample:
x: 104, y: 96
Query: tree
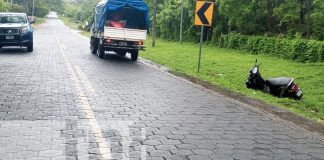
x: 3, y: 6
x: 317, y: 17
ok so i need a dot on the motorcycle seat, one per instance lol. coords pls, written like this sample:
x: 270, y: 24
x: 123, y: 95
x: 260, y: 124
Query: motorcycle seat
x: 281, y: 81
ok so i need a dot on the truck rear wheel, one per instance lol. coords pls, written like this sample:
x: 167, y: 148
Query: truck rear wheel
x: 94, y: 45
x: 101, y: 49
x: 134, y: 55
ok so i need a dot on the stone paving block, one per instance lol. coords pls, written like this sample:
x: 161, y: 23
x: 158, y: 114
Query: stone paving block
x: 14, y: 149
x: 39, y: 158
x: 40, y: 147
x: 50, y: 153
x: 199, y: 157
x: 205, y: 146
x: 154, y: 158
x: 24, y: 154
x: 203, y: 151
x: 181, y: 152
x: 135, y: 154
x: 165, y: 147
x: 159, y: 153
x: 170, y: 142
x: 176, y: 158
x: 151, y: 142
x: 221, y: 157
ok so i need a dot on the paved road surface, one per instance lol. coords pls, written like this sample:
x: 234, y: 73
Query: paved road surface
x: 61, y: 102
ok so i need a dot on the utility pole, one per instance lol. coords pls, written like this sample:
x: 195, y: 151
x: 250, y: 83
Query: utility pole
x: 154, y: 23
x: 26, y: 5
x: 33, y: 8
x: 181, y: 22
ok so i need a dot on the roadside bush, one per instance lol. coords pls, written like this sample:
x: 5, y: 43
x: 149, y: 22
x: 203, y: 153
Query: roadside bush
x: 15, y: 8
x: 299, y: 50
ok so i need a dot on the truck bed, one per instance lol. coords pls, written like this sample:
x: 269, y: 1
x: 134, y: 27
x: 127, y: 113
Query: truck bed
x: 125, y: 34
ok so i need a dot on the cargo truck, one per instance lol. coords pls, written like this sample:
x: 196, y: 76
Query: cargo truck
x: 120, y: 26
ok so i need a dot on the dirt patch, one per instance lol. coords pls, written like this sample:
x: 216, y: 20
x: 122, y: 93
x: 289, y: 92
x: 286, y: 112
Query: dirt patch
x: 283, y: 114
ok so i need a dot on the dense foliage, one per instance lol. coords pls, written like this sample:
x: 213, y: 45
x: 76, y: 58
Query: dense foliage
x: 300, y: 50
x: 81, y: 11
x: 42, y: 7
x: 283, y: 18
x: 276, y: 18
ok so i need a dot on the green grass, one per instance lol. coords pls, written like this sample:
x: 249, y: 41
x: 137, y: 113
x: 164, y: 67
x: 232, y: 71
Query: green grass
x: 39, y: 20
x: 71, y: 23
x: 229, y: 69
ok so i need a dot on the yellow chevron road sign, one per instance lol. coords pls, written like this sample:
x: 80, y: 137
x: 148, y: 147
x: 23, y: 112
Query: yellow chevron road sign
x: 204, y: 13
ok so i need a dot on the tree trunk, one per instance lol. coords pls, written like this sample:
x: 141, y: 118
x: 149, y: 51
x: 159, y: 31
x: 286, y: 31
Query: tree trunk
x: 302, y: 12
x: 154, y: 23
x: 309, y: 3
x: 229, y: 28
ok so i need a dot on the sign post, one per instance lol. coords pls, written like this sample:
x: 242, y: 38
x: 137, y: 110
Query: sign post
x: 203, y: 17
x: 200, y: 47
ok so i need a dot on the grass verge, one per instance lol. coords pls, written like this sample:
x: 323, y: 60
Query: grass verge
x: 229, y: 69
x: 71, y: 23
x: 39, y: 20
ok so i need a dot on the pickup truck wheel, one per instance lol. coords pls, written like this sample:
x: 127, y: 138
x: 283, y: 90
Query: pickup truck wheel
x: 101, y: 49
x: 94, y: 45
x: 30, y: 47
x: 134, y: 55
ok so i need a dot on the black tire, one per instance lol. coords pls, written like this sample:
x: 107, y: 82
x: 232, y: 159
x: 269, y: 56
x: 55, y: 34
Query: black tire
x: 134, y: 55
x: 30, y: 47
x: 94, y: 45
x: 101, y: 49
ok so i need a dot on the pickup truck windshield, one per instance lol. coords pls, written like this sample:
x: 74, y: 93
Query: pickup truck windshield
x: 12, y: 19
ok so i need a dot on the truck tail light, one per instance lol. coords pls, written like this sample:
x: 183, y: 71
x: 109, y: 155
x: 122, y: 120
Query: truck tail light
x: 109, y: 41
x: 140, y: 43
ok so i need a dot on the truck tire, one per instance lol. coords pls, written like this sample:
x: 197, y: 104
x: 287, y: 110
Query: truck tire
x: 30, y: 47
x: 134, y: 55
x: 101, y: 49
x: 94, y: 45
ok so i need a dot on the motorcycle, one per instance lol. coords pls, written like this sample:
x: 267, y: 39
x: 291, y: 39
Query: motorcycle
x: 280, y: 87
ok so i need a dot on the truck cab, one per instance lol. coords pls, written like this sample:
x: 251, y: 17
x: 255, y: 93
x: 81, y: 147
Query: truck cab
x: 121, y: 29
x: 16, y: 30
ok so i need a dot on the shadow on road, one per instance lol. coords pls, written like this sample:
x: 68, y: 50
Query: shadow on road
x: 13, y: 51
x: 113, y: 57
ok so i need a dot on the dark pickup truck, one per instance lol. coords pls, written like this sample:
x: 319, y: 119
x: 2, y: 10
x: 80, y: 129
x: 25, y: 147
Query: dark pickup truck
x: 16, y: 30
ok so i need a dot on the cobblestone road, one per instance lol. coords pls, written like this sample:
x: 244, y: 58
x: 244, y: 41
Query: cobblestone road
x: 61, y: 102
